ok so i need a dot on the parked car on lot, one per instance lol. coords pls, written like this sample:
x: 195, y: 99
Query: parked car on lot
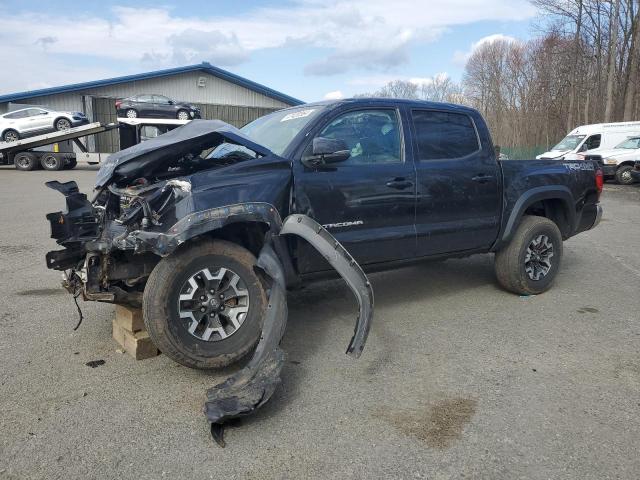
x: 179, y: 220
x: 157, y: 106
x: 30, y: 121
x: 591, y: 140
x: 618, y: 162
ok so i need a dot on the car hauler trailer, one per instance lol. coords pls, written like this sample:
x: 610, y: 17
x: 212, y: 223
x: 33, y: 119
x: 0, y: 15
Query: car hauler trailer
x: 54, y: 151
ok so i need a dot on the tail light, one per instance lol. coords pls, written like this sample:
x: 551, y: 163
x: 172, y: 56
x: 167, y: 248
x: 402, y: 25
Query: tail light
x: 599, y: 181
x: 118, y: 103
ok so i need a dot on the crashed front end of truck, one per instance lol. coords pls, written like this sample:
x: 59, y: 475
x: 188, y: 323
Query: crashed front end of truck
x: 203, y: 180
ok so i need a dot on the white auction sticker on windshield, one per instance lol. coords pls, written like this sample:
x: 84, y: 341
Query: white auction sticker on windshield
x: 298, y: 114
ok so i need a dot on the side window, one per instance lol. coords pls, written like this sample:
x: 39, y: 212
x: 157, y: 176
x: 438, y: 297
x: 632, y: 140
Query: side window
x: 145, y: 98
x: 14, y: 115
x: 160, y: 99
x: 373, y: 136
x: 444, y: 135
x: 592, y: 142
x: 32, y: 112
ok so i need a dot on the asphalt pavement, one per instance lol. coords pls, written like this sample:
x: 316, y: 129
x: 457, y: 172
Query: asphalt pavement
x: 459, y: 379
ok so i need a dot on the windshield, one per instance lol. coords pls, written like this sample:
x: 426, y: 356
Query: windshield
x: 630, y: 143
x: 570, y: 142
x: 276, y: 130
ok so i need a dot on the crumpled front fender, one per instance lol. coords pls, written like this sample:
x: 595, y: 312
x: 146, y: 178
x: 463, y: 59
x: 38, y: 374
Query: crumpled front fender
x: 246, y: 391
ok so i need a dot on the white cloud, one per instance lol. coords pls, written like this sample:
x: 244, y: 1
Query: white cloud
x: 356, y: 34
x: 461, y: 57
x: 437, y: 78
x: 335, y: 95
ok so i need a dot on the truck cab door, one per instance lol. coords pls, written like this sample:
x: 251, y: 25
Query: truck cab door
x: 458, y: 183
x: 367, y: 201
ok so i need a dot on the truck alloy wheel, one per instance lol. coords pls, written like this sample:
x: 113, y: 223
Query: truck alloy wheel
x: 213, y: 305
x: 204, y: 305
x: 51, y: 162
x: 623, y: 175
x: 529, y: 263
x: 537, y: 261
x: 25, y: 161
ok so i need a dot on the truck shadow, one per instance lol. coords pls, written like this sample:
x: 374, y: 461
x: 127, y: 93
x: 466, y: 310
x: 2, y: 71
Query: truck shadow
x: 322, y: 316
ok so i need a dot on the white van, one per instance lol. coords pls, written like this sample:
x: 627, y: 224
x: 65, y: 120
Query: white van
x: 591, y: 140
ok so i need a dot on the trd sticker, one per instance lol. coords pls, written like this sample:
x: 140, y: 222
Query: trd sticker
x: 343, y: 224
x: 579, y: 166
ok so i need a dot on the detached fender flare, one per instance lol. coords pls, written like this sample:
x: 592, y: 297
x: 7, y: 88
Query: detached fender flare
x: 345, y: 265
x: 548, y: 192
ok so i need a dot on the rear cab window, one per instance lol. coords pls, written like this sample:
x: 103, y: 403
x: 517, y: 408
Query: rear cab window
x: 444, y: 135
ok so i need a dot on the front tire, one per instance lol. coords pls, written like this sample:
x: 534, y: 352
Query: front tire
x: 530, y: 262
x: 204, y: 306
x: 62, y: 124
x: 623, y: 175
x: 182, y: 115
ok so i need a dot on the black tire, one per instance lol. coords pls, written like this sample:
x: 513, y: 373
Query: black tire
x: 184, y: 112
x: 10, y: 136
x: 71, y: 164
x: 62, y: 124
x: 623, y: 175
x: 160, y: 305
x: 131, y: 113
x: 510, y: 262
x: 25, y: 161
x: 51, y: 162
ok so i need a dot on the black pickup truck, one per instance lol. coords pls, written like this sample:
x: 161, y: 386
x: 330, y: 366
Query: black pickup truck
x: 179, y: 223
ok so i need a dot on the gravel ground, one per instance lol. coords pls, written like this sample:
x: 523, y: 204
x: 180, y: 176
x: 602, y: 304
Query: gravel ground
x: 459, y: 378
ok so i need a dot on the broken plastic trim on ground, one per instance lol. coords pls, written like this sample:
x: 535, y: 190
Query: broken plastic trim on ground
x: 246, y: 391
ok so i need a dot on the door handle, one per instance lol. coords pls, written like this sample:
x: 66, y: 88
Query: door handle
x: 399, y: 183
x: 482, y: 178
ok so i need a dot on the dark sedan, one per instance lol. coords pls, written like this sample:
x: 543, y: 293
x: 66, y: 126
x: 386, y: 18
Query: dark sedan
x: 155, y: 106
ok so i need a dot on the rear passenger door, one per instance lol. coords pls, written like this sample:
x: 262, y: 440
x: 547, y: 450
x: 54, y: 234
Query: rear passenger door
x: 458, y: 196
x: 368, y: 201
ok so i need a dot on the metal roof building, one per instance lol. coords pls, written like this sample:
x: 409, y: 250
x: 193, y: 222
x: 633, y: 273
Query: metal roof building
x: 219, y: 94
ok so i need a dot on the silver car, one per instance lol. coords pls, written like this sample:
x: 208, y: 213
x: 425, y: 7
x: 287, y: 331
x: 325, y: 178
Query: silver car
x: 28, y: 121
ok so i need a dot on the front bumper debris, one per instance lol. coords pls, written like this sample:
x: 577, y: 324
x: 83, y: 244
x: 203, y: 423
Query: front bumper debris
x: 246, y: 391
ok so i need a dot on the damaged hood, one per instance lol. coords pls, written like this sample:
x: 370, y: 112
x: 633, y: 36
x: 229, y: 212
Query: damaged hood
x: 191, y: 138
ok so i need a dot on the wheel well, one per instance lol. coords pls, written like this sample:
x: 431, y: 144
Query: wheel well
x: 555, y: 210
x: 250, y: 235
x: 60, y: 118
x: 625, y: 163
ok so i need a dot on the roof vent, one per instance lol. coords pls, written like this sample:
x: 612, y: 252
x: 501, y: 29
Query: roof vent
x: 202, y: 82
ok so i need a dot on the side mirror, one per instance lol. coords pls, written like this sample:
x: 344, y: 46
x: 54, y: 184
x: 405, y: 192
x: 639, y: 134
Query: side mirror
x: 327, y: 150
x: 171, y: 102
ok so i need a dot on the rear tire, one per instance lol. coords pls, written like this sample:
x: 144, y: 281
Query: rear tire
x: 51, y: 162
x: 623, y: 175
x: 25, y: 161
x: 166, y: 314
x: 131, y: 113
x: 10, y: 136
x: 71, y: 164
x: 529, y: 263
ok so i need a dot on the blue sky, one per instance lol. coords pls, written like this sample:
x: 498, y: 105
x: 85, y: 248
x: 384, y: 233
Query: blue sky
x: 305, y: 48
